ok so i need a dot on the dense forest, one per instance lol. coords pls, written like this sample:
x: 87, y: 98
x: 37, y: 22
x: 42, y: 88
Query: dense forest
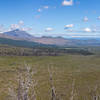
x: 6, y: 50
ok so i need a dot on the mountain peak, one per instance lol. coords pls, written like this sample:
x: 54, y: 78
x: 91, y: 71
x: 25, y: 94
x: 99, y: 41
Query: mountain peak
x: 17, y: 33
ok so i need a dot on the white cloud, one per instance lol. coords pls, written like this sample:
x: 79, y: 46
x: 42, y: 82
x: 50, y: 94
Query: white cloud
x: 85, y: 19
x: 87, y: 30
x: 21, y: 22
x: 42, y: 8
x: 69, y: 26
x: 95, y: 28
x: 14, y: 26
x: 67, y: 3
x: 49, y: 29
x: 19, y: 26
x: 99, y: 18
x: 46, y: 7
x: 26, y: 29
x: 39, y: 10
x: 2, y: 29
x: 85, y: 36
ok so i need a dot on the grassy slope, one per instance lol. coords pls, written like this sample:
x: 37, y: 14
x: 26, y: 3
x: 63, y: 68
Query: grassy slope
x: 84, y: 69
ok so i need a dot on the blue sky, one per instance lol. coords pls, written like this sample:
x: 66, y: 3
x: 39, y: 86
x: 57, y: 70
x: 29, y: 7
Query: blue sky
x: 68, y: 18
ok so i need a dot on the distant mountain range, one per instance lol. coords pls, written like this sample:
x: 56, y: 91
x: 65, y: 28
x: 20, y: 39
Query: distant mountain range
x: 18, y: 35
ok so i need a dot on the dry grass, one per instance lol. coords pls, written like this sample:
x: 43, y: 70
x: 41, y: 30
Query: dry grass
x: 67, y: 78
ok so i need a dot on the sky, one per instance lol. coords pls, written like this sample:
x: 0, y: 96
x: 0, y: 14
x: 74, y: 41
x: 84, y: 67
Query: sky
x: 67, y: 18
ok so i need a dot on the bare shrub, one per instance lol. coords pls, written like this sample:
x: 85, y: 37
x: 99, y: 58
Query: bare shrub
x: 53, y: 90
x: 73, y: 94
x: 94, y: 93
x: 26, y: 86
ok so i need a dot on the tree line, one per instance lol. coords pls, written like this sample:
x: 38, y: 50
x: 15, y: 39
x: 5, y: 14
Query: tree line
x: 40, y: 51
